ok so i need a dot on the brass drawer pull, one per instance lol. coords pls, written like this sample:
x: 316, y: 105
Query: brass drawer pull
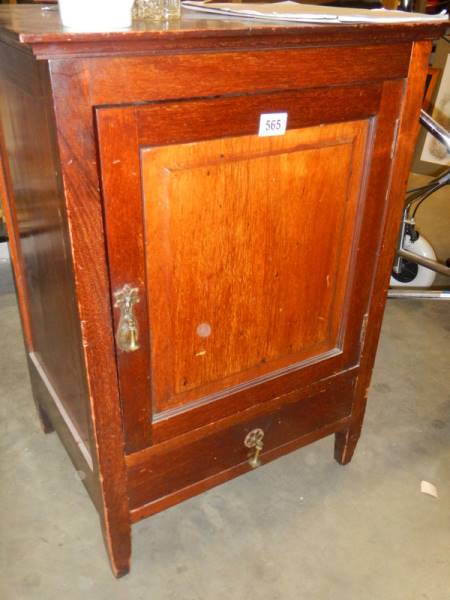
x: 254, y: 439
x: 127, y: 334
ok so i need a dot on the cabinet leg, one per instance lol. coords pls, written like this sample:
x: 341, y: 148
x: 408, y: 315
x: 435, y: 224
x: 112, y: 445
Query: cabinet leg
x: 344, y: 445
x: 44, y: 421
x: 37, y: 389
x: 117, y: 538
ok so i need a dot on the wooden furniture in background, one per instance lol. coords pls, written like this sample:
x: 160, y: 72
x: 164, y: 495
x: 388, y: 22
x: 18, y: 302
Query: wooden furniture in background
x: 430, y: 87
x: 197, y: 299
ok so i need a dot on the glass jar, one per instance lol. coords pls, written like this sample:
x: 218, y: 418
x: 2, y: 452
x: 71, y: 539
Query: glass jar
x: 172, y: 9
x: 150, y: 10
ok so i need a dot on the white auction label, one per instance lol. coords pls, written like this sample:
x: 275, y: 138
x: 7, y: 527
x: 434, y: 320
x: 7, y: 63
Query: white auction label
x: 272, y: 124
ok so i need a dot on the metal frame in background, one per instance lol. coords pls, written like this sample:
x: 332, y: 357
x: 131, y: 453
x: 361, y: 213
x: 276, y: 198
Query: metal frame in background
x: 443, y: 136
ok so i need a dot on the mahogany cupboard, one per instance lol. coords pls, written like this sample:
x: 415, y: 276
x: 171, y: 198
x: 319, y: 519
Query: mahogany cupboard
x: 196, y: 298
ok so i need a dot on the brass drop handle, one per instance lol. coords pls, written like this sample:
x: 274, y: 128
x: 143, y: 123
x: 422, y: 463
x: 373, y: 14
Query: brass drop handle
x: 254, y: 440
x: 127, y: 334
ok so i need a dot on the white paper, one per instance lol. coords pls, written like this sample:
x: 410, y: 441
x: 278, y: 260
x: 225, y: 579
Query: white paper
x: 428, y: 488
x: 271, y: 124
x: 305, y: 13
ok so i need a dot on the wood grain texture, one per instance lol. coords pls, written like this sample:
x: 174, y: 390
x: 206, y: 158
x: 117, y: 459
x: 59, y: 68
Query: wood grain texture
x: 139, y: 118
x: 390, y: 110
x: 161, y: 124
x: 10, y: 215
x: 398, y: 175
x: 165, y: 124
x: 54, y: 420
x: 77, y: 151
x: 171, y: 118
x: 320, y: 388
x: 153, y: 77
x: 198, y: 487
x: 37, y: 220
x: 253, y: 280
x: 314, y: 106
x: 45, y: 34
x: 125, y: 240
x: 179, y: 463
x: 122, y: 131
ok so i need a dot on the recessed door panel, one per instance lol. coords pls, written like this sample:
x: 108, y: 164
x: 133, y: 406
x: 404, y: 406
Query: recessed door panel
x: 248, y: 242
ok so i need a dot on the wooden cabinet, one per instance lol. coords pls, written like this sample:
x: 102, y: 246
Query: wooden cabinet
x: 198, y: 299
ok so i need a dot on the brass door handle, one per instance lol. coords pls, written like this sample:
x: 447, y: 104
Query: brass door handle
x: 127, y: 334
x: 254, y: 440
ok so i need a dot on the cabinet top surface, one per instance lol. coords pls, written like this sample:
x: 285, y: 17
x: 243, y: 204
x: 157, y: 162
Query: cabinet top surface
x: 39, y: 27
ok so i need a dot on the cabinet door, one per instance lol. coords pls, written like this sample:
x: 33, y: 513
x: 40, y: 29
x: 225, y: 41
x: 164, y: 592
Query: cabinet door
x: 248, y: 246
x: 245, y: 250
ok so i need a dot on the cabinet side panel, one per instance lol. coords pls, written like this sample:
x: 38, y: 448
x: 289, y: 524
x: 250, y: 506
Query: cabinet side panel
x: 43, y: 266
x: 404, y: 148
x: 78, y: 154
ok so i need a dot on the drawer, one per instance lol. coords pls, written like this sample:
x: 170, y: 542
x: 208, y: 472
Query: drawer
x: 191, y: 463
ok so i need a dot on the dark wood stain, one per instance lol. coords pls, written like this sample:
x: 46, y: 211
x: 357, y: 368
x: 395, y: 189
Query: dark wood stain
x: 133, y: 157
x: 172, y: 466
x: 38, y: 217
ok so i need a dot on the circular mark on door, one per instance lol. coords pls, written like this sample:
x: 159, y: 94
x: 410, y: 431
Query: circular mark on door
x: 204, y: 330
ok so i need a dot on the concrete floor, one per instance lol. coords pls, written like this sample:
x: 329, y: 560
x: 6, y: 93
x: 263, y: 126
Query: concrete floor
x: 301, y: 528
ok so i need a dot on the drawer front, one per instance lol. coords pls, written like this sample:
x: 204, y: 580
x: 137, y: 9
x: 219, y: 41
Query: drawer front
x: 174, y: 467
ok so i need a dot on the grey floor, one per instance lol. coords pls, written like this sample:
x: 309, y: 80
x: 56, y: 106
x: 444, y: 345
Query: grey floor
x: 300, y: 528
